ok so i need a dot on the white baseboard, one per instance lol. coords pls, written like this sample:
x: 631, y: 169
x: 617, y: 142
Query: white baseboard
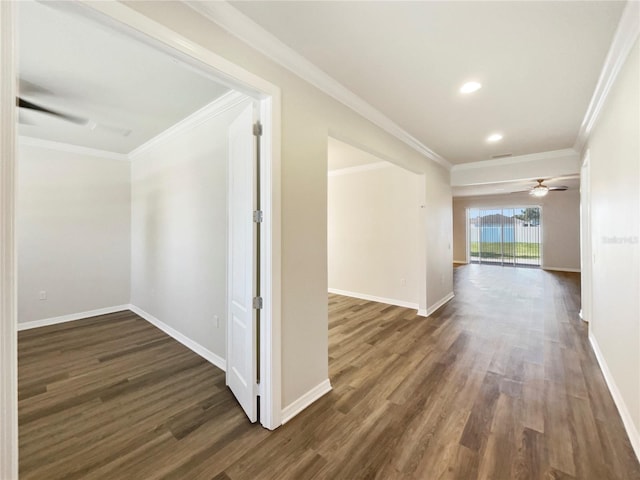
x: 439, y: 303
x: 187, y: 342
x: 630, y: 427
x: 373, y: 298
x: 422, y: 312
x: 70, y: 318
x: 295, y: 407
x: 460, y: 262
x: 561, y: 269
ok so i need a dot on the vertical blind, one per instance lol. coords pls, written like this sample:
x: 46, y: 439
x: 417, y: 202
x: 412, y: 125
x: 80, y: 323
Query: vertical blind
x: 505, y: 236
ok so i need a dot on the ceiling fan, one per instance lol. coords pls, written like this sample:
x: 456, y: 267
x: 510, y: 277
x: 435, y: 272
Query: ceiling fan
x: 92, y: 125
x: 540, y: 190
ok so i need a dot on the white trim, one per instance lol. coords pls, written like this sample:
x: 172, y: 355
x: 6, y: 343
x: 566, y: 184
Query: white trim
x: 627, y: 420
x: 439, y: 304
x: 358, y: 169
x: 460, y: 262
x: 561, y: 269
x: 70, y: 148
x: 623, y: 41
x: 373, y: 298
x: 422, y: 312
x: 270, y: 331
x: 70, y: 318
x: 503, y: 162
x: 582, y: 317
x: 209, y: 111
x: 241, y: 26
x: 184, y: 340
x: 297, y: 406
x: 8, y: 272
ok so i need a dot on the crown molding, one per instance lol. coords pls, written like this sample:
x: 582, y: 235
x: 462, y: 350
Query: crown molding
x: 623, y: 41
x: 501, y: 162
x: 218, y: 106
x: 242, y: 27
x: 358, y: 168
x: 70, y: 148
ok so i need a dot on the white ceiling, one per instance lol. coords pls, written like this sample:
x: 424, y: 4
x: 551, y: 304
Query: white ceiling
x: 538, y: 63
x: 82, y: 68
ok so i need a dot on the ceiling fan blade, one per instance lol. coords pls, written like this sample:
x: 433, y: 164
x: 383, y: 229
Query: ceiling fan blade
x: 560, y: 188
x: 85, y: 122
x: 22, y: 103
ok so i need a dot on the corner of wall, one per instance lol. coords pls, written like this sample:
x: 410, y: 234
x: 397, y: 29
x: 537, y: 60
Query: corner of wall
x: 627, y: 420
x: 298, y: 405
x: 440, y: 303
x: 187, y: 342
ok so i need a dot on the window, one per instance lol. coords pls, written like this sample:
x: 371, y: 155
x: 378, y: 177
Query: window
x: 505, y: 236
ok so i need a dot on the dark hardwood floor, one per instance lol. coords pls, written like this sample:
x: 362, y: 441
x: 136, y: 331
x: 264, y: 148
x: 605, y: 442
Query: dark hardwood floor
x: 500, y: 383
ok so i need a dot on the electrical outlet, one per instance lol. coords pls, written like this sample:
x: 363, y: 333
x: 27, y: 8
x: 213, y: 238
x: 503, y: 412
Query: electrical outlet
x: 403, y: 281
x: 42, y: 295
x: 216, y: 321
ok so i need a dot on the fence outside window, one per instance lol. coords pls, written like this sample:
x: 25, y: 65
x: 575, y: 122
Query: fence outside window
x: 505, y: 236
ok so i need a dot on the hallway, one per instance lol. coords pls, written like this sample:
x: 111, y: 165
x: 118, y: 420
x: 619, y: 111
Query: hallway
x: 500, y: 383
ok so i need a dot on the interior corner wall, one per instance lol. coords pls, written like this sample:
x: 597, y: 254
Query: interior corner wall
x: 614, y: 152
x: 439, y: 239
x: 460, y: 230
x: 374, y: 234
x: 179, y: 231
x: 560, y: 225
x: 73, y: 230
x: 309, y: 116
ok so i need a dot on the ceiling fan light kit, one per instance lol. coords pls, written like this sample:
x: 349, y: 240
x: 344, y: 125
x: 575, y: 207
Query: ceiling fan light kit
x: 539, y: 190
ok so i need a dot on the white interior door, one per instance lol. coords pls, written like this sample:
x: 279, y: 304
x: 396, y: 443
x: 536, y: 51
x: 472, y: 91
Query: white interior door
x: 241, y: 324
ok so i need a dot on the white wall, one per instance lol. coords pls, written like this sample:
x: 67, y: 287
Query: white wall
x: 179, y: 231
x: 73, y: 231
x: 560, y: 225
x: 308, y: 117
x: 614, y: 148
x: 374, y: 233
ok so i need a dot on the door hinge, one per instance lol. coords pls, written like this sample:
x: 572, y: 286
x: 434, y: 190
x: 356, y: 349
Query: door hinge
x: 257, y: 129
x: 257, y: 216
x: 257, y: 303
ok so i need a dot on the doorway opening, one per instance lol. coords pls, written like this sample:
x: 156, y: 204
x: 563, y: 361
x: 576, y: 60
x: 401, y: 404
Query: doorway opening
x: 508, y: 236
x: 123, y: 20
x: 182, y: 203
x: 376, y: 229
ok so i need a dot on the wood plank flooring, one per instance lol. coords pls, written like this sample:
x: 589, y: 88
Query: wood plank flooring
x: 499, y: 384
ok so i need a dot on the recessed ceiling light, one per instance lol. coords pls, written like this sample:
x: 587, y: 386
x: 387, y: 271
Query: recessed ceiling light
x: 494, y: 138
x: 470, y: 87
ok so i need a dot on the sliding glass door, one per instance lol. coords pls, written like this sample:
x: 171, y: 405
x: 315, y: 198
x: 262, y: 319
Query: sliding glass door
x: 505, y: 236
